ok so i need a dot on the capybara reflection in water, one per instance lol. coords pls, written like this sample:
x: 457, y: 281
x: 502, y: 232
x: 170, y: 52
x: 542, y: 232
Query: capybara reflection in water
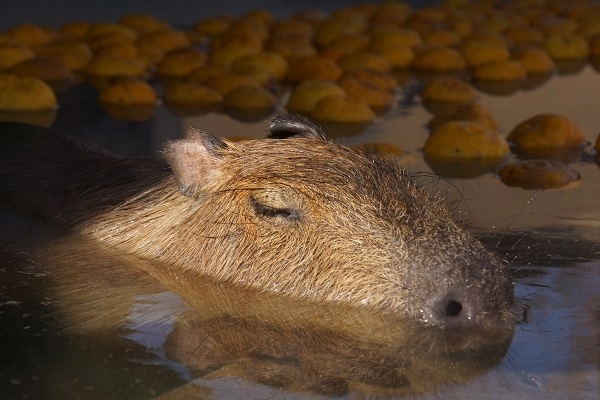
x: 293, y: 214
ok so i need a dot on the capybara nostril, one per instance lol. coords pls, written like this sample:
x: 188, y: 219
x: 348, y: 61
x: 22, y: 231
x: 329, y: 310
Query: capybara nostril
x: 452, y: 308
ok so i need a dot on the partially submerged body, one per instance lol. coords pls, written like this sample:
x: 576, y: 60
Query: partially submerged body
x: 292, y: 214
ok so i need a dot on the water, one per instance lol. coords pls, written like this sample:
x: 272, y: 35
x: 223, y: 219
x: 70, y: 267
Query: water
x: 80, y: 321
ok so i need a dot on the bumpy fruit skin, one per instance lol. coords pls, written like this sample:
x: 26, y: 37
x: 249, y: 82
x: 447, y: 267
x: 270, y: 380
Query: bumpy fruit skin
x: 535, y: 60
x: 45, y: 69
x: 107, y: 66
x: 567, y: 47
x: 538, y: 174
x: 546, y: 133
x: 501, y: 71
x: 304, y: 97
x: 29, y: 34
x: 192, y: 93
x: 439, y: 59
x: 128, y: 92
x: 381, y: 149
x: 345, y: 109
x: 250, y: 98
x: 370, y: 94
x: 180, y: 63
x: 449, y: 89
x: 14, y: 53
x: 481, y: 49
x: 25, y: 94
x: 314, y: 68
x: 465, y: 139
x: 595, y: 47
x: 473, y: 112
x: 273, y: 62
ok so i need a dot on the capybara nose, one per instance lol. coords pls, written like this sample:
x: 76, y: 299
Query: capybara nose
x: 453, y: 310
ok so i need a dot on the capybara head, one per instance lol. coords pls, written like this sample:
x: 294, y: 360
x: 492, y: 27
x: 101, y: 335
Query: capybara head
x: 298, y: 215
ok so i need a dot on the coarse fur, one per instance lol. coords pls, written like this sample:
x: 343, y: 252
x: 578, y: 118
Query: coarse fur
x: 293, y: 214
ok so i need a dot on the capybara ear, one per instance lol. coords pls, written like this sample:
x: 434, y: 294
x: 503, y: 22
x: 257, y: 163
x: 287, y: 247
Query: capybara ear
x: 194, y: 160
x: 285, y: 126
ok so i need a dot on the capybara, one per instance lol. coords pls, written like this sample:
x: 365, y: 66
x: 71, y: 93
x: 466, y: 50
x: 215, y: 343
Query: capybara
x: 293, y: 214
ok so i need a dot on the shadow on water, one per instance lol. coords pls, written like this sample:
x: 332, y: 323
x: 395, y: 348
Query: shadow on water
x: 138, y: 329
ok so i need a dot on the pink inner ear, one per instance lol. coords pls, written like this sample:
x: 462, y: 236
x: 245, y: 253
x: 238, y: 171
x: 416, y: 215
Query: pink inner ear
x: 192, y: 163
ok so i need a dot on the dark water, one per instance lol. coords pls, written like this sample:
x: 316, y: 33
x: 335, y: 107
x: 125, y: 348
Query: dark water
x: 177, y: 12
